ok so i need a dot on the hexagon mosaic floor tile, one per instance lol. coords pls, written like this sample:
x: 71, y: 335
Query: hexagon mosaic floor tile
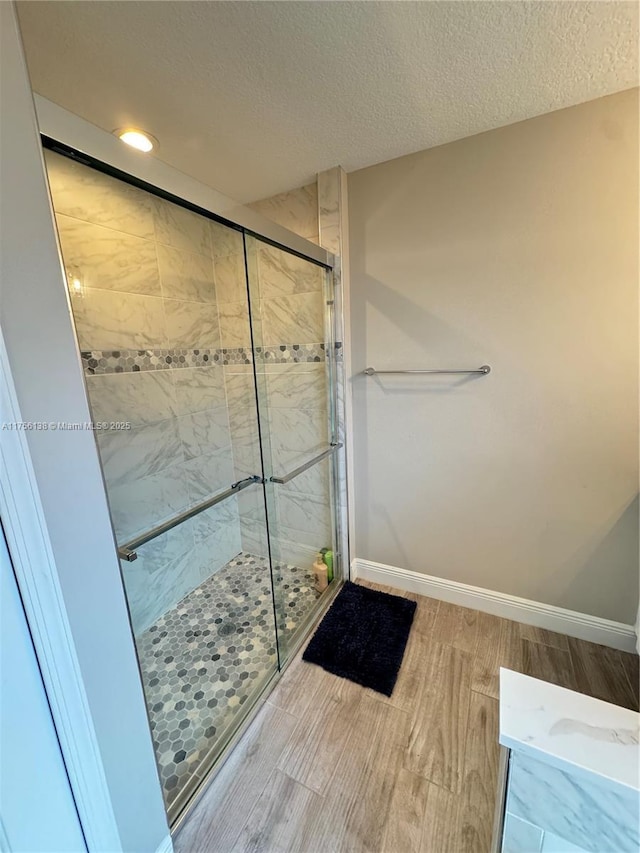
x: 203, y: 659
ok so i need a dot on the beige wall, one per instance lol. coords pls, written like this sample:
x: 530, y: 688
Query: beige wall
x: 517, y: 247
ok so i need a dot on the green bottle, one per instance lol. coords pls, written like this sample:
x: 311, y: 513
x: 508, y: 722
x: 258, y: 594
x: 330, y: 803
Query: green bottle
x: 327, y: 557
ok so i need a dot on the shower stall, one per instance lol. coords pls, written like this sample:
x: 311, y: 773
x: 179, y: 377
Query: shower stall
x: 211, y: 365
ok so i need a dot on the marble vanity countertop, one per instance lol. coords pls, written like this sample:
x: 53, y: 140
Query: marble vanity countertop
x: 570, y: 731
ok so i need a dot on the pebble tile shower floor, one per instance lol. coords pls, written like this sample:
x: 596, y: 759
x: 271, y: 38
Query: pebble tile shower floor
x: 204, y: 658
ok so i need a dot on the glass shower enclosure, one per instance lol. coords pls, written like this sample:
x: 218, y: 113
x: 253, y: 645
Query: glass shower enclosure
x: 210, y: 362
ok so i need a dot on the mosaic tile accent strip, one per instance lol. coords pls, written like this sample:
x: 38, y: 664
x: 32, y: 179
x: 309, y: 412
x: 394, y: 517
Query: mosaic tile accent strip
x: 291, y: 353
x: 96, y: 362
x: 133, y: 361
x: 202, y: 660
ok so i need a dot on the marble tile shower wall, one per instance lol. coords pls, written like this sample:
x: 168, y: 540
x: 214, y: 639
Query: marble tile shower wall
x: 296, y: 210
x: 147, y: 275
x: 296, y: 428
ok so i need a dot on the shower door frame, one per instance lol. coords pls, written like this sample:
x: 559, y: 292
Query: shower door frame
x: 143, y: 170
x: 69, y: 135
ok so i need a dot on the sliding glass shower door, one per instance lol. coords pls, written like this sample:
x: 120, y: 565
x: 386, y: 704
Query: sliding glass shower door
x: 292, y: 324
x: 208, y: 359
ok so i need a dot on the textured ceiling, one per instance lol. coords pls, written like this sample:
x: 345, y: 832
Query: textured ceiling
x: 256, y: 97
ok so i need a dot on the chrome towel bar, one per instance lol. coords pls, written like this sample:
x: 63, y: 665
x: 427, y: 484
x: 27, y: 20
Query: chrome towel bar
x: 128, y: 550
x: 371, y: 371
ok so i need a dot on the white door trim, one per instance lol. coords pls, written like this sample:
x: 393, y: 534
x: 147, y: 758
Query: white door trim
x: 37, y: 576
x: 595, y: 629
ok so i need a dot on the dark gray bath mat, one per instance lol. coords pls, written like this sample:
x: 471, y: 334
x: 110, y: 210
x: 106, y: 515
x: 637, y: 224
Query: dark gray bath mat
x: 363, y: 637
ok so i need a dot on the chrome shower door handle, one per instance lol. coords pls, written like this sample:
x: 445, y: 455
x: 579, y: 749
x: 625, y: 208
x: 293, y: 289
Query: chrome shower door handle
x: 286, y: 478
x: 128, y: 552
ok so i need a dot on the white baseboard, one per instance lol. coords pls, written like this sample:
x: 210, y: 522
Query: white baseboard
x: 166, y: 845
x: 581, y: 625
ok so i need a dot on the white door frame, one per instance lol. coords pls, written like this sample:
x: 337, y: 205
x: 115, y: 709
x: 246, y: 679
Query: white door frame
x: 38, y: 811
x: 37, y: 577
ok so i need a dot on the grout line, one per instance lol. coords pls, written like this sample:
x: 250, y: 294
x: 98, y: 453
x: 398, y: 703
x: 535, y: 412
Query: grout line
x: 151, y: 239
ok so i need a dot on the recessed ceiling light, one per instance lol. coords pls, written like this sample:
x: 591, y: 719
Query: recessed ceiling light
x: 136, y: 138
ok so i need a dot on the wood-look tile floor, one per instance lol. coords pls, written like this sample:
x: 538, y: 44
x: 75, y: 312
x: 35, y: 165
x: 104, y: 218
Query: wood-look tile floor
x: 330, y: 766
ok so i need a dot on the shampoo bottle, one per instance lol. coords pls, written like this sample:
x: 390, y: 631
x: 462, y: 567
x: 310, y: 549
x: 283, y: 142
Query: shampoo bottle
x: 320, y: 578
